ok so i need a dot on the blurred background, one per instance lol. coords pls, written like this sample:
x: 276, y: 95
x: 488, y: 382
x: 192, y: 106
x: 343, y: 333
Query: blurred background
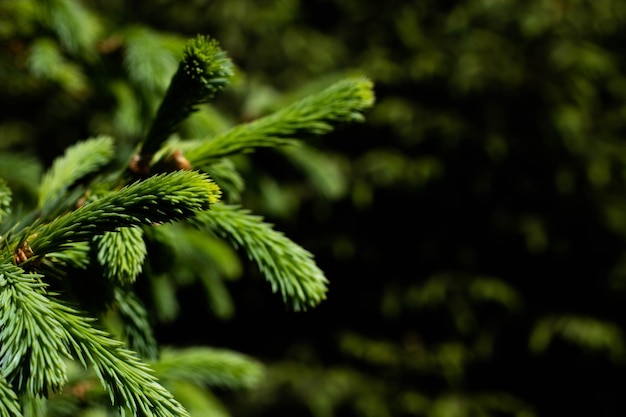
x: 473, y: 228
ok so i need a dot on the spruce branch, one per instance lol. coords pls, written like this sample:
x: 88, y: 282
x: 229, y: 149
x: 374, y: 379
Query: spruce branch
x: 129, y: 381
x: 289, y: 268
x: 79, y: 160
x: 316, y: 114
x: 9, y: 403
x: 204, y: 70
x: 32, y: 347
x: 121, y: 253
x: 136, y: 324
x: 208, y: 366
x: 38, y: 331
x: 159, y: 199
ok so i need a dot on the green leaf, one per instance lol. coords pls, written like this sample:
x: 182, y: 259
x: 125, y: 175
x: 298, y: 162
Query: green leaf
x: 79, y: 160
x: 287, y: 266
x: 314, y: 115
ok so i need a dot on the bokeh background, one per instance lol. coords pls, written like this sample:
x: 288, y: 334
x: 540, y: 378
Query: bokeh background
x: 473, y: 228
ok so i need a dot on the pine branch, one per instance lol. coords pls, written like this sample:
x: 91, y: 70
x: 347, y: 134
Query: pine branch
x: 208, y: 366
x: 9, y: 404
x: 121, y: 253
x: 288, y: 267
x: 203, y: 71
x: 158, y: 199
x: 314, y: 115
x: 79, y: 160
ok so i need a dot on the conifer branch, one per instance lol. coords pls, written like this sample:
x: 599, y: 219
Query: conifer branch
x: 121, y: 254
x: 130, y: 382
x: 32, y: 347
x: 79, y: 160
x: 158, y: 199
x: 38, y: 331
x: 287, y: 266
x: 208, y: 366
x: 314, y: 115
x: 9, y: 403
x: 203, y: 71
x: 136, y: 324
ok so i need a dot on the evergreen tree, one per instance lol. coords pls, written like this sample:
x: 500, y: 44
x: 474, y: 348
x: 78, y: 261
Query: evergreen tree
x: 103, y: 219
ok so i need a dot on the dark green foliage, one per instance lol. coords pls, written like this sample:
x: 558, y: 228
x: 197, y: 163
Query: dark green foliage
x: 107, y: 220
x: 473, y: 231
x: 480, y: 238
